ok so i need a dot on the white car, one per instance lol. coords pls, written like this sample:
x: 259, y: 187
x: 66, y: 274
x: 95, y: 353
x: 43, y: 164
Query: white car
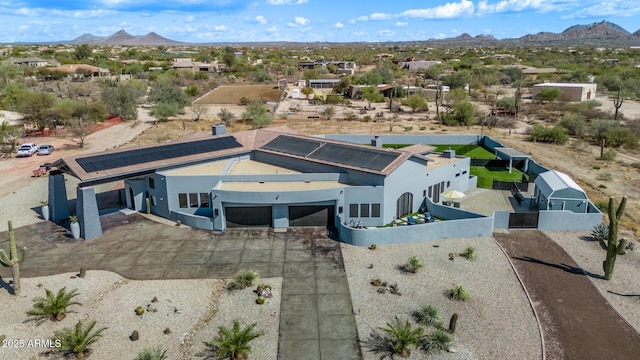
x: 27, y: 149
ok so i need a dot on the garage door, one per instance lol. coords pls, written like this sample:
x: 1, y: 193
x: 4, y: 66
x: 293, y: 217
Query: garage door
x: 311, y: 215
x: 248, y: 216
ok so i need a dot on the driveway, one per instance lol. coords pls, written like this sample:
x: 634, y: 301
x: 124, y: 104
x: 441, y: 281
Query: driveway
x: 577, y: 322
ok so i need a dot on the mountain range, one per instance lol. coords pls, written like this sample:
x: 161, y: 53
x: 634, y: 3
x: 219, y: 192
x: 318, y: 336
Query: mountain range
x: 603, y: 33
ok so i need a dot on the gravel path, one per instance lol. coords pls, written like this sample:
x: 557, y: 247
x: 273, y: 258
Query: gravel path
x: 496, y: 323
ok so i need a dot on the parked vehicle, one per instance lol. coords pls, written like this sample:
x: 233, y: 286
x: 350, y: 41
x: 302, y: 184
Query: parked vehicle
x: 27, y: 149
x: 45, y: 149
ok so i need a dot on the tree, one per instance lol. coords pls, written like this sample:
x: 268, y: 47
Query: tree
x: 78, y: 340
x: 457, y: 80
x: 229, y: 56
x: 81, y: 119
x: 164, y: 110
x: 307, y: 90
x: 261, y: 75
x: 198, y: 110
x: 548, y: 93
x: 329, y: 112
x: 226, y: 116
x: 122, y: 99
x: 234, y: 342
x: 258, y: 114
x: 508, y: 103
x: 82, y: 52
x: 53, y: 307
x: 372, y: 95
x: 7, y: 73
x: 415, y: 102
x: 343, y: 85
x: 463, y: 113
x: 8, y: 134
x: 600, y: 130
x: 37, y: 108
x: 168, y: 93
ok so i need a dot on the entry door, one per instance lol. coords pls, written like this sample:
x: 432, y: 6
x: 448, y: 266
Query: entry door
x: 436, y: 193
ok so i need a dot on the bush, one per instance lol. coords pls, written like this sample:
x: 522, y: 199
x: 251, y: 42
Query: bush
x: 600, y: 232
x: 243, y: 280
x: 459, y: 293
x: 400, y: 336
x: 412, y: 265
x: 574, y: 124
x: 469, y: 254
x: 602, y: 206
x: 428, y: 315
x: 78, y: 340
x: 604, y: 177
x: 437, y: 341
x: 556, y: 134
x: 53, y: 306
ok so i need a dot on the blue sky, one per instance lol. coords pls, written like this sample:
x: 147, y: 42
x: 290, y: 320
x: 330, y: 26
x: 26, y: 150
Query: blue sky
x: 304, y: 20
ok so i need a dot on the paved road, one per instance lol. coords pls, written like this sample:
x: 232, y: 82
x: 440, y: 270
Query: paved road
x: 577, y: 321
x: 316, y: 320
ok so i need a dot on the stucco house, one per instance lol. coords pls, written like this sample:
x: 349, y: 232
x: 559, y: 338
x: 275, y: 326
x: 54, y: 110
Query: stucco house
x: 267, y: 177
x: 570, y: 91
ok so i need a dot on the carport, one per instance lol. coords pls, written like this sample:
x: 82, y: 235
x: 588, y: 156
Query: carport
x: 505, y: 153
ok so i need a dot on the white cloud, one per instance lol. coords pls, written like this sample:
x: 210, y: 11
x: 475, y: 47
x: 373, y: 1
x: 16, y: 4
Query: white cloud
x: 260, y: 19
x: 387, y: 33
x: 272, y: 29
x: 220, y: 27
x: 510, y: 5
x: 608, y: 8
x: 362, y: 18
x: 338, y: 25
x: 401, y: 23
x: 190, y: 18
x: 379, y: 16
x: 286, y: 2
x: 299, y: 21
x: 446, y: 11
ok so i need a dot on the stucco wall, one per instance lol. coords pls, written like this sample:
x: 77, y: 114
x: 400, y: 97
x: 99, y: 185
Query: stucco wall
x: 557, y: 220
x: 405, y: 139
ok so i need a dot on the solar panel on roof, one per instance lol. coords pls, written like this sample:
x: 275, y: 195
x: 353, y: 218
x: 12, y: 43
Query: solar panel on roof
x: 292, y: 145
x: 354, y: 156
x: 158, y: 153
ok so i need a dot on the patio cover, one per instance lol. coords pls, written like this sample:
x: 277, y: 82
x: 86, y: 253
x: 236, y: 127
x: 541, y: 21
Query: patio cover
x: 512, y: 154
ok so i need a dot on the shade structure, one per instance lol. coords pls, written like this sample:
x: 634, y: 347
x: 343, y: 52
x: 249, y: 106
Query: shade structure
x: 453, y: 194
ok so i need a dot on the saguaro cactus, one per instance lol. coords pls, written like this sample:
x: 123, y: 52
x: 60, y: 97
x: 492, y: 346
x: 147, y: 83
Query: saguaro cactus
x: 13, y: 259
x: 613, y: 246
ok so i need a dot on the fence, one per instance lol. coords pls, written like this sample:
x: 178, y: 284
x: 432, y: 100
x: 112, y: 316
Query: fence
x: 467, y: 148
x: 510, y: 185
x: 523, y: 220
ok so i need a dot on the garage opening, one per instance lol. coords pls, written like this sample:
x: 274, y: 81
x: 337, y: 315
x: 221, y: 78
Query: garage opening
x: 248, y: 216
x: 321, y: 215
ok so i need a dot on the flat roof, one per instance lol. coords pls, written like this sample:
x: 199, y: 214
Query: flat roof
x: 512, y: 153
x: 438, y: 160
x: 279, y: 185
x: 252, y: 167
x: 565, y: 84
x: 211, y: 168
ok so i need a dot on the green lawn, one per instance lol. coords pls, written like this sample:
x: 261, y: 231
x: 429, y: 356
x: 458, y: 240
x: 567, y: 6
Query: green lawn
x: 486, y: 176
x: 440, y: 148
x: 480, y: 153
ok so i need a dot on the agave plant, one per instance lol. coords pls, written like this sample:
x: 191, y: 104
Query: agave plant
x: 469, y: 253
x: 78, y: 340
x: 600, y: 232
x: 459, y: 293
x: 53, y: 306
x: 152, y: 354
x: 401, y: 335
x: 438, y: 340
x: 234, y: 343
x: 428, y: 315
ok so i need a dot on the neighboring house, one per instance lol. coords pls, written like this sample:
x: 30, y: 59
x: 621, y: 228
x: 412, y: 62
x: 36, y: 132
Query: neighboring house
x: 323, y: 83
x: 570, y: 91
x: 416, y: 65
x: 194, y: 66
x: 31, y: 62
x: 557, y: 191
x: 344, y: 67
x: 71, y: 69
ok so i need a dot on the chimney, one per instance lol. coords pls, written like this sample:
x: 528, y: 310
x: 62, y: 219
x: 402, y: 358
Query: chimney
x: 449, y: 153
x: 376, y: 141
x: 218, y: 129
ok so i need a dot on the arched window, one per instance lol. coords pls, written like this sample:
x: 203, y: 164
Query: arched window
x: 404, y: 205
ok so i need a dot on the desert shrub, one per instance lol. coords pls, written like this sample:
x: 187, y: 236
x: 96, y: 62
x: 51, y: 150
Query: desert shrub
x: 77, y: 340
x: 600, y: 232
x: 604, y: 177
x: 408, y: 128
x: 596, y: 167
x: 53, y: 306
x: 602, y: 206
x: 437, y: 341
x: 367, y: 118
x: 412, y: 265
x: 234, y: 343
x: 469, y: 253
x: 152, y: 354
x: 459, y: 293
x: 428, y: 315
x: 555, y: 134
x: 243, y: 279
x: 574, y: 124
x: 351, y: 115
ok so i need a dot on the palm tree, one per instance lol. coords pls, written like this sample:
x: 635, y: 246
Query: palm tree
x: 152, y: 354
x: 78, y: 340
x: 234, y: 343
x: 401, y: 336
x: 428, y: 315
x: 53, y: 307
